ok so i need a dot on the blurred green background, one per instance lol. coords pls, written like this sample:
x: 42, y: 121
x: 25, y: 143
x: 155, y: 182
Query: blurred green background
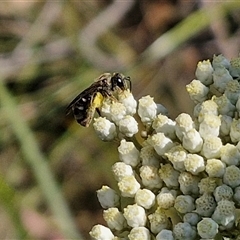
x: 50, y: 51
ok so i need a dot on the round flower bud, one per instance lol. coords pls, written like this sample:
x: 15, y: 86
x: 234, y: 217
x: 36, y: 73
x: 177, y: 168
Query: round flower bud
x: 158, y: 221
x: 215, y: 168
x: 207, y: 185
x: 145, y: 198
x: 226, y: 122
x: 147, y: 109
x: 188, y: 183
x: 211, y: 147
x: 207, y: 228
x: 105, y: 129
x: 194, y: 164
x: 236, y: 196
x: 184, y: 231
x: 220, y: 61
x: 177, y: 155
x: 184, y: 123
x: 221, y: 77
x: 150, y: 177
x: 100, y: 232
x: 192, y: 141
x: 127, y: 99
x: 169, y: 175
x: 184, y: 204
x: 232, y: 91
x: 164, y: 125
x: 204, y: 72
x: 235, y: 131
x: 235, y: 67
x: 161, y: 143
x: 192, y: 218
x: 166, y: 198
x: 210, y: 125
x: 128, y: 186
x: 165, y: 235
x: 107, y: 197
x: 223, y: 192
x: 121, y: 169
x: 139, y: 233
x: 231, y: 176
x: 128, y: 153
x: 117, y: 111
x: 230, y: 154
x: 224, y: 213
x: 149, y: 156
x: 114, y: 218
x: 128, y: 126
x: 197, y: 91
x: 207, y: 107
x: 205, y: 205
x: 135, y: 216
x: 225, y: 107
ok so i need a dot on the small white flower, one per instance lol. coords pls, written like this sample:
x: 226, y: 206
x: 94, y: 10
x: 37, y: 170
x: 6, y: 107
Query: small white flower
x: 226, y: 122
x: 236, y: 195
x: 192, y: 141
x: 230, y: 154
x: 128, y: 153
x: 207, y: 107
x: 161, y: 143
x: 166, y: 198
x: 192, y: 218
x: 197, y: 91
x: 232, y: 91
x: 145, y: 198
x: 235, y: 67
x: 128, y: 186
x: 184, y: 123
x: 135, y: 216
x: 211, y: 147
x: 114, y: 218
x: 235, y: 131
x: 127, y: 99
x: 231, y: 176
x: 194, y: 164
x: 215, y: 168
x: 205, y: 205
x: 158, y: 221
x: 177, y: 155
x: 207, y: 228
x: 100, y: 232
x: 225, y: 107
x: 184, y: 204
x: 105, y: 129
x: 150, y: 177
x: 128, y: 126
x: 164, y: 125
x: 223, y: 192
x: 184, y: 231
x: 147, y: 109
x: 220, y: 61
x: 107, y: 197
x: 210, y: 125
x: 169, y: 175
x: 149, y: 156
x: 224, y: 213
x: 117, y: 111
x: 207, y: 185
x: 138, y: 233
x: 121, y: 169
x: 188, y: 183
x: 165, y: 235
x: 204, y: 72
x: 221, y: 77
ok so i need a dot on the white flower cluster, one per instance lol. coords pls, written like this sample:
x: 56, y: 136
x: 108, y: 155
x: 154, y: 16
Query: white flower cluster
x: 183, y: 181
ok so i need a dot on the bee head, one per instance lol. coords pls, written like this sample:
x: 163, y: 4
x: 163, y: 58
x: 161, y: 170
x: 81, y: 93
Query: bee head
x: 118, y: 80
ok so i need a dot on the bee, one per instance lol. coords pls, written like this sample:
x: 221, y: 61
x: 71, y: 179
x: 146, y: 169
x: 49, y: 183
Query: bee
x: 91, y: 99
